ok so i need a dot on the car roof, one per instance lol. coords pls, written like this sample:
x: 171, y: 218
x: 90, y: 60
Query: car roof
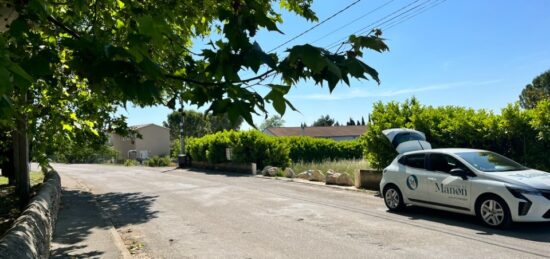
x: 445, y: 150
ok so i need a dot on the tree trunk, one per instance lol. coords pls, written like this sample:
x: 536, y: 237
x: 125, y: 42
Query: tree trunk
x: 8, y: 165
x: 21, y: 161
x: 6, y: 156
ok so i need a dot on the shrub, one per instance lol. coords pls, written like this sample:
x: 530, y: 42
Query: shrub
x: 519, y: 134
x: 256, y: 147
x: 157, y: 161
x: 309, y: 149
x: 247, y: 147
x: 130, y: 162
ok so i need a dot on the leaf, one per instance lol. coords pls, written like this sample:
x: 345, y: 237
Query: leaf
x: 355, y: 68
x: 171, y: 103
x: 67, y: 127
x: 291, y: 106
x: 120, y: 4
x: 280, y: 105
x: 5, y: 82
x: 335, y: 70
x: 310, y: 57
x: 94, y: 131
x: 119, y: 24
x: 276, y: 96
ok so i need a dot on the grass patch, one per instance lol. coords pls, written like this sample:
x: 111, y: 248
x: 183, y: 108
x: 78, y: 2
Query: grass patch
x: 9, y: 209
x: 342, y: 166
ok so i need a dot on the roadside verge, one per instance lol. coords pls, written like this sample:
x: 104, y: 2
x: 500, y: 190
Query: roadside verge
x: 31, y: 233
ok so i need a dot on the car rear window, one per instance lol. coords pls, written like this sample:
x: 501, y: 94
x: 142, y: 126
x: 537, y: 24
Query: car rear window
x: 414, y: 160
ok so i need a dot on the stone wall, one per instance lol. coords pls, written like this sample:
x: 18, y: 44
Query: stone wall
x: 31, y: 234
x: 368, y: 179
x: 224, y: 167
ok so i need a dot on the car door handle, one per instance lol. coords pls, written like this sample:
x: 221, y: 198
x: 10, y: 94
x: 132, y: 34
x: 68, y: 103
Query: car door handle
x: 432, y: 179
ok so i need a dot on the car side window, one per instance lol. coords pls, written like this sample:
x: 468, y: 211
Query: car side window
x: 445, y: 163
x: 414, y: 160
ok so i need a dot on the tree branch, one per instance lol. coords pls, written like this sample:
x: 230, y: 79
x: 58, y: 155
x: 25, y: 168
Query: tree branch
x: 63, y: 26
x: 193, y: 81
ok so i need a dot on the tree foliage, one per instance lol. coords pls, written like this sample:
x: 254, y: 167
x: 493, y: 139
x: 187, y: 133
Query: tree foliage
x: 272, y: 122
x: 519, y: 134
x: 536, y: 91
x: 65, y: 66
x: 324, y: 121
x: 198, y: 124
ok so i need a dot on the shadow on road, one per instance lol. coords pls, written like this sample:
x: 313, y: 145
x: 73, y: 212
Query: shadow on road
x: 219, y: 172
x: 81, y: 220
x: 539, y: 232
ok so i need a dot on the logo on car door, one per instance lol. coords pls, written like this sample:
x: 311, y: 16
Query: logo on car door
x: 412, y: 182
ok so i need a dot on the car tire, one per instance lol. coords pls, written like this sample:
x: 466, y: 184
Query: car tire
x: 393, y: 198
x: 493, y: 211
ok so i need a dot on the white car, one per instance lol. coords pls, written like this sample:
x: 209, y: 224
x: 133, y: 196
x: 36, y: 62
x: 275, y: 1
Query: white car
x: 476, y: 182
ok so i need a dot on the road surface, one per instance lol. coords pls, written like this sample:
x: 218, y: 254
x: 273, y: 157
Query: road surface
x: 163, y: 213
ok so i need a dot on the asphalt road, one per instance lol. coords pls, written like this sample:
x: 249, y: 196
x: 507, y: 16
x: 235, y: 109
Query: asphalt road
x: 181, y: 214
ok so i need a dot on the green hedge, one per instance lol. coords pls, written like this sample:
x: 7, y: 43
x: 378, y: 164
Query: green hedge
x: 309, y: 149
x: 158, y: 161
x: 247, y: 147
x: 522, y: 135
x: 256, y: 147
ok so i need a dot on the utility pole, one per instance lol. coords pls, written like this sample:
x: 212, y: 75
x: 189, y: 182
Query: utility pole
x: 183, y: 159
x: 182, y: 132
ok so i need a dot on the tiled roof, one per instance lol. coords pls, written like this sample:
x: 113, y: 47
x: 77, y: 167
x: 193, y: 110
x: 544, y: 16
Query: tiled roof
x: 335, y: 131
x: 139, y: 126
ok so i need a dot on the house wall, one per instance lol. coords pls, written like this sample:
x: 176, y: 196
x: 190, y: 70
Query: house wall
x: 122, y: 145
x: 156, y: 140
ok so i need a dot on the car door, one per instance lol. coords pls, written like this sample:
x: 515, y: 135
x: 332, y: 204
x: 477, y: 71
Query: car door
x: 444, y: 189
x: 405, y: 140
x: 414, y: 167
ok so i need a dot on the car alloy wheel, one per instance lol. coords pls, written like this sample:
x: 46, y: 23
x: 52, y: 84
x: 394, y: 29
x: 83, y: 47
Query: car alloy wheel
x: 492, y: 212
x: 393, y: 199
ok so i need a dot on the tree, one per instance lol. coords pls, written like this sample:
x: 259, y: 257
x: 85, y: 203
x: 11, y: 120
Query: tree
x: 65, y: 66
x: 351, y: 122
x: 362, y: 121
x: 272, y: 122
x: 536, y: 91
x: 324, y: 121
x: 198, y: 124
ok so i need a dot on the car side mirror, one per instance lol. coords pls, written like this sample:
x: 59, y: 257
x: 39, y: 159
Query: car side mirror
x: 460, y: 173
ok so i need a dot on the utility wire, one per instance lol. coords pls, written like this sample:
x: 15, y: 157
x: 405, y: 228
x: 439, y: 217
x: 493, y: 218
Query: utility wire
x: 408, y: 17
x: 379, y: 25
x: 316, y: 25
x: 344, y: 39
x: 355, y: 20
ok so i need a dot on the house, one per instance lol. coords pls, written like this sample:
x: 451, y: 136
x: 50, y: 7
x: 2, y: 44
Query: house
x: 155, y: 141
x: 337, y: 133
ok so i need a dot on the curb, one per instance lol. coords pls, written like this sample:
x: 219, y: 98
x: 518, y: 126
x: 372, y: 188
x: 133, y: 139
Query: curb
x: 320, y: 184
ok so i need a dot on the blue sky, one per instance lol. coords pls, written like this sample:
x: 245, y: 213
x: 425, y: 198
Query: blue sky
x: 477, y: 54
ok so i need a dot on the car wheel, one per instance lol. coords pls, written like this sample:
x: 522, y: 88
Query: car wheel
x: 493, y: 211
x: 393, y: 198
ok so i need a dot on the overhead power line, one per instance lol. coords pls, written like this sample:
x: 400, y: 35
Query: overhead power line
x: 390, y: 17
x: 367, y: 30
x: 410, y: 16
x: 316, y: 25
x: 353, y: 21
